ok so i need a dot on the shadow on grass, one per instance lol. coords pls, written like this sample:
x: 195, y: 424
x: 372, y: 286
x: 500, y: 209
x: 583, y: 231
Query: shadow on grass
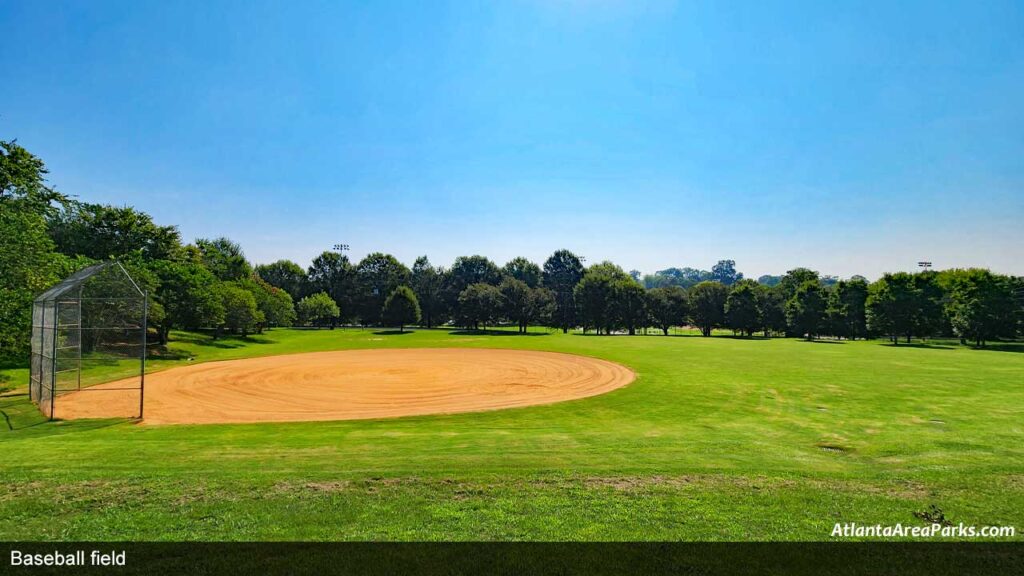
x: 1003, y: 347
x: 225, y: 341
x: 822, y: 341
x: 922, y: 345
x: 21, y: 418
x: 392, y: 332
x: 462, y: 332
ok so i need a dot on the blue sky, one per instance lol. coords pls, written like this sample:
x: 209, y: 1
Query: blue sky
x: 853, y: 138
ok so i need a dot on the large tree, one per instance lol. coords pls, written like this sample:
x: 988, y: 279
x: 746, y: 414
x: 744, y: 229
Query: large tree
x: 523, y: 270
x: 982, y: 306
x: 427, y: 282
x: 904, y: 304
x: 598, y: 298
x: 275, y: 305
x: 518, y: 301
x: 562, y: 271
x: 466, y: 271
x: 724, y: 271
x: 28, y: 262
x: 707, y: 305
x: 668, y: 306
x: 401, y: 308
x: 805, y: 310
x: 286, y: 275
x: 480, y: 304
x: 333, y: 274
x: 794, y: 279
x: 23, y: 182
x: 743, y: 307
x: 240, y: 312
x: 377, y: 276
x: 224, y: 258
x: 630, y: 304
x: 100, y: 232
x: 318, y: 310
x: 847, y: 311
x: 189, y: 296
x: 772, y: 303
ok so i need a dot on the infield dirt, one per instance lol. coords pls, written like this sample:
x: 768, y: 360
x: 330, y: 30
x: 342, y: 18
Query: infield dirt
x: 350, y: 385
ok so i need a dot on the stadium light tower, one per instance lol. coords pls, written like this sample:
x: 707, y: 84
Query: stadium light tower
x: 926, y: 265
x: 341, y: 247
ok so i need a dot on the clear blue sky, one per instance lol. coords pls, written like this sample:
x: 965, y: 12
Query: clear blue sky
x: 852, y: 137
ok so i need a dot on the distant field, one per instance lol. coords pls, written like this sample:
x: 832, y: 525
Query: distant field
x: 717, y: 439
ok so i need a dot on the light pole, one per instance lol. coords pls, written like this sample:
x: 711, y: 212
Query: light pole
x: 926, y: 265
x: 341, y: 249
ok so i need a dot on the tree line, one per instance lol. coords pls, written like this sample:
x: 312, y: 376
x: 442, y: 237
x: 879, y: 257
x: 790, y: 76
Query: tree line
x: 209, y: 284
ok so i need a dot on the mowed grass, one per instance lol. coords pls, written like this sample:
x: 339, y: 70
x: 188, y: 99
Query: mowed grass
x: 718, y: 439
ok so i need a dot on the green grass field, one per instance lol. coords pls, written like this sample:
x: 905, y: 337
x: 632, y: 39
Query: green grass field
x: 717, y: 439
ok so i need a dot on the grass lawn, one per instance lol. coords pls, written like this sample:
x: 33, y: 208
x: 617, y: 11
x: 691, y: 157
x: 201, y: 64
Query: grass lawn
x: 717, y: 439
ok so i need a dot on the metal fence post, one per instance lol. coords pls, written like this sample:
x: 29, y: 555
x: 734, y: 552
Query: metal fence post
x: 142, y: 369
x: 53, y: 362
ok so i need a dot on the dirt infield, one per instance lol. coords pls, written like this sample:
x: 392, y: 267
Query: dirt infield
x: 352, y: 384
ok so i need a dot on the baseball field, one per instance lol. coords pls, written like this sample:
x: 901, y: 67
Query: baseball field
x: 459, y: 435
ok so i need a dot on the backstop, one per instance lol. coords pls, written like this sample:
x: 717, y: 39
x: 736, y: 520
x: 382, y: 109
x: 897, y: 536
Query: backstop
x: 86, y: 331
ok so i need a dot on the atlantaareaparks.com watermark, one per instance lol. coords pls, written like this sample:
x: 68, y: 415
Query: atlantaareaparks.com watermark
x: 935, y: 530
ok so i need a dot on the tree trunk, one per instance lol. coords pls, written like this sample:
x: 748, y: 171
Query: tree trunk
x: 665, y: 330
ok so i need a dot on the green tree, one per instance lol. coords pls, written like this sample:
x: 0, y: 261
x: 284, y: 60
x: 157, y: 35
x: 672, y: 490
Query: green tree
x: 725, y: 272
x: 378, y: 275
x: 668, y: 307
x: 630, y: 304
x: 742, y: 308
x: 23, y: 182
x: 707, y: 305
x: 480, y: 304
x: 224, y: 258
x: 286, y: 275
x: 332, y: 273
x: 275, y: 305
x: 428, y: 284
x: 562, y: 271
x: 523, y: 270
x: 189, y: 295
x: 518, y: 301
x: 109, y: 232
x: 772, y: 304
x: 28, y: 262
x: 929, y: 313
x: 542, y: 306
x: 982, y: 306
x: 598, y: 297
x: 847, y: 308
x: 318, y: 310
x: 28, y: 266
x: 794, y: 279
x: 893, y: 305
x: 240, y: 312
x: 805, y: 310
x: 401, y: 308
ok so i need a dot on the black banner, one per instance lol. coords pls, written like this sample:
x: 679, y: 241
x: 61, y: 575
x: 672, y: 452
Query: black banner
x: 513, y: 558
